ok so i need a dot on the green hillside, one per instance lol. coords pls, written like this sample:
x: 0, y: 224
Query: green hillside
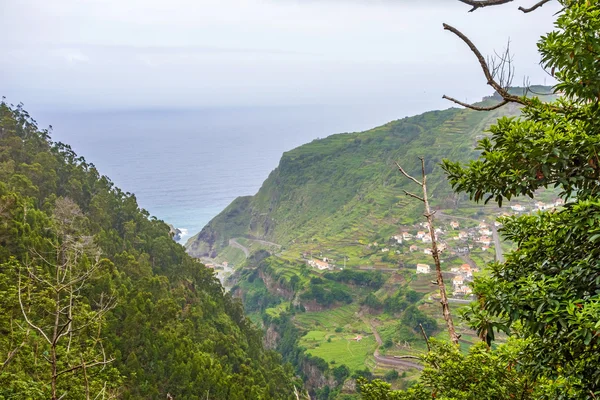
x: 344, y: 189
x: 327, y: 278
x: 98, y: 301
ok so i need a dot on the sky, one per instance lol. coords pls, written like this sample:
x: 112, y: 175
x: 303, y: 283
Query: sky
x: 134, y: 54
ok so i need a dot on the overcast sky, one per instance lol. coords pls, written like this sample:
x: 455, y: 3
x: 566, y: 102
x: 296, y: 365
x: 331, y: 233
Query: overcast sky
x: 191, y: 53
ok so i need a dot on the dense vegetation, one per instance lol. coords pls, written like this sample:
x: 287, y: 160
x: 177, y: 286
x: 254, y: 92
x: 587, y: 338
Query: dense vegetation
x: 96, y: 299
x: 547, y: 293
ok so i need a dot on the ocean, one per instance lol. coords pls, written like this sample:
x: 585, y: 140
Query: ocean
x: 185, y: 166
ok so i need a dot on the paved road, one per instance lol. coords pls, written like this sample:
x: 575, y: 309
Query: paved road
x: 234, y: 243
x: 499, y: 253
x: 387, y: 360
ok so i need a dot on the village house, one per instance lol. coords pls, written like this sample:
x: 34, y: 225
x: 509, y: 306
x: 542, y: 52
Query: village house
x: 426, y: 238
x: 466, y: 271
x: 406, y: 236
x: 454, y: 224
x: 420, y: 235
x: 462, y: 235
x: 397, y: 238
x: 413, y: 248
x: 462, y: 290
x: 462, y: 250
x: 517, y: 208
x: 458, y: 281
x: 485, y: 240
x: 559, y: 202
x: 423, y: 269
x: 318, y: 264
x: 428, y: 251
x: 485, y: 232
x: 385, y: 250
x: 483, y: 225
x: 442, y: 247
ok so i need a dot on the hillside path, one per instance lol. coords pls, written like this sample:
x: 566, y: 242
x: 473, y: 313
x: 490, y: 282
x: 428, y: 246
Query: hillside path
x: 386, y: 360
x: 234, y: 243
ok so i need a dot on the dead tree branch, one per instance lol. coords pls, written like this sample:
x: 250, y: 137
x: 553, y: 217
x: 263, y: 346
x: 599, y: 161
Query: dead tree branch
x: 483, y: 3
x: 501, y: 68
x: 534, y: 7
x: 434, y: 249
x: 477, y: 4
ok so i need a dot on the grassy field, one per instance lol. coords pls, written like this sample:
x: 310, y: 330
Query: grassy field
x: 340, y: 348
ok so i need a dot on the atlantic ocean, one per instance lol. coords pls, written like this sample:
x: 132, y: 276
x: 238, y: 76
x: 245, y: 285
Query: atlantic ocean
x: 185, y: 166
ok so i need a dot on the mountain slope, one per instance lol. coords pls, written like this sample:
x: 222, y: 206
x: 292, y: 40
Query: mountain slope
x: 344, y: 188
x: 86, y: 276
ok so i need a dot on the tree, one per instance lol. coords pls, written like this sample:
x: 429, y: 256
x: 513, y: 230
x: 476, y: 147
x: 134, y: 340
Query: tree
x: 434, y: 249
x: 547, y: 293
x: 548, y: 287
x: 51, y: 297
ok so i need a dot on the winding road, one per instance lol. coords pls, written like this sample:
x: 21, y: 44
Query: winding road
x: 234, y: 243
x: 387, y: 360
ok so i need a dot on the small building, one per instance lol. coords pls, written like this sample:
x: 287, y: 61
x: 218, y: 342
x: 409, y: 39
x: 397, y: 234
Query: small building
x: 517, y: 208
x: 413, y: 248
x: 485, y: 232
x: 454, y: 224
x: 318, y: 264
x: 426, y: 238
x: 483, y: 225
x: 462, y: 235
x: 559, y: 202
x: 428, y: 251
x: 406, y: 236
x: 423, y: 269
x: 397, y: 238
x: 466, y: 271
x: 385, y: 250
x: 485, y: 240
x: 458, y: 281
x: 420, y: 235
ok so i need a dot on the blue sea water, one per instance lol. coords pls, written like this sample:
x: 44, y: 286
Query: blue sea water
x: 185, y: 166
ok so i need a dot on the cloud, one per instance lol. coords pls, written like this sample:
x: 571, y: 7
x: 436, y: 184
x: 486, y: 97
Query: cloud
x: 126, y: 53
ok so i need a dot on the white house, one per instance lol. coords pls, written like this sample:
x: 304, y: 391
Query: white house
x: 458, y: 281
x: 318, y: 264
x: 397, y: 238
x: 428, y: 251
x: 517, y: 208
x: 462, y: 235
x: 420, y: 235
x: 485, y: 232
x: 413, y: 248
x: 426, y: 238
x: 406, y: 236
x: 423, y: 269
x: 454, y: 224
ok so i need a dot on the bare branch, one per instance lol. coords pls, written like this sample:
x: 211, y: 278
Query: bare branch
x: 425, y: 335
x: 503, y: 92
x: 408, y: 176
x: 414, y: 196
x: 476, y: 108
x: 534, y: 7
x: 476, y: 4
x: 31, y: 324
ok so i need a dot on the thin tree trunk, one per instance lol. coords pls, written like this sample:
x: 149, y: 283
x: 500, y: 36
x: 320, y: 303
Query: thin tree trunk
x: 434, y: 250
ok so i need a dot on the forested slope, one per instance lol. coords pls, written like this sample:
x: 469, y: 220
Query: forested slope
x: 97, y: 299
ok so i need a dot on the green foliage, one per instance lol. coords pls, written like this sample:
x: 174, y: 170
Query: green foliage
x: 360, y: 278
x: 172, y: 328
x: 449, y: 374
x: 548, y: 290
x: 415, y: 318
